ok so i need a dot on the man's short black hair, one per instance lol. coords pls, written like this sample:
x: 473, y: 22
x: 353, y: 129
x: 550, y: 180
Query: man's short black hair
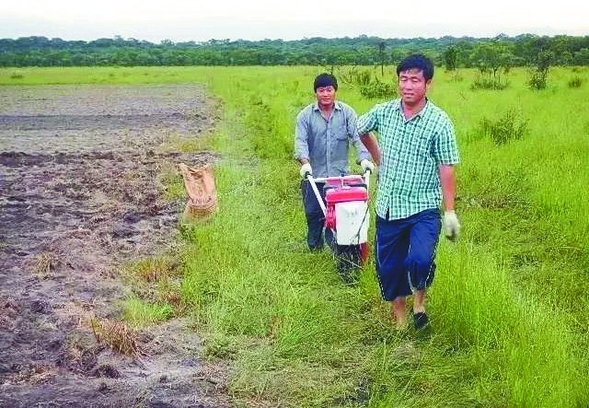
x: 324, y: 80
x: 417, y: 61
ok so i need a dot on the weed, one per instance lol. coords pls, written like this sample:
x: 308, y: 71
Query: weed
x: 45, y: 263
x: 355, y: 76
x: 457, y: 77
x: 142, y: 314
x: 538, y: 78
x: 575, y: 82
x: 155, y: 268
x: 495, y: 84
x: 505, y: 129
x: 219, y: 347
x: 117, y: 336
x: 378, y: 89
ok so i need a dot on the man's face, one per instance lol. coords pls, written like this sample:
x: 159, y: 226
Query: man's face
x: 412, y: 86
x: 325, y: 95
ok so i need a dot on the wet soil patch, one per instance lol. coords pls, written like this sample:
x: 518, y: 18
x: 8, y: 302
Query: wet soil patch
x: 80, y: 195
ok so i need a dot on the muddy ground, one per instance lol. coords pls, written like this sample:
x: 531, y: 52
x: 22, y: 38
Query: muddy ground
x: 79, y: 197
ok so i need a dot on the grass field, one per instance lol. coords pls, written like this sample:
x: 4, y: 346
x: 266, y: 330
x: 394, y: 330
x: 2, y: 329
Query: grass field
x: 510, y: 303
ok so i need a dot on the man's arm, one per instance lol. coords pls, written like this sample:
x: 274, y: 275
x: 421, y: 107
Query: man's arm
x: 448, y: 182
x: 369, y: 140
x: 352, y: 128
x: 301, y: 145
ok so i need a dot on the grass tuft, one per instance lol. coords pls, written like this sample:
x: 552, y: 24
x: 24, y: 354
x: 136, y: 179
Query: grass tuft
x: 45, y: 264
x: 116, y: 335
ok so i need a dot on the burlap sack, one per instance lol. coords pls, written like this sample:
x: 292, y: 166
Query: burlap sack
x: 202, y: 194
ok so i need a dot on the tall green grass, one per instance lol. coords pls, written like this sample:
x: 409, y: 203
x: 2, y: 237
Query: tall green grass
x: 509, y: 305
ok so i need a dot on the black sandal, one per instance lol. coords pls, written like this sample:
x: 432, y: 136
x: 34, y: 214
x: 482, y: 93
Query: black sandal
x: 420, y: 320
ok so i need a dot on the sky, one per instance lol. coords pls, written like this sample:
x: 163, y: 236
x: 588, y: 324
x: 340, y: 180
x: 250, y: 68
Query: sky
x: 198, y: 20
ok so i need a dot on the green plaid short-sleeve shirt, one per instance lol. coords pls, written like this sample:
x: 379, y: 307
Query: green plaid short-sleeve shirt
x: 411, y: 150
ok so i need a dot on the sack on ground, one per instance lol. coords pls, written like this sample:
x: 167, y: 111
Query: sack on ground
x: 202, y: 193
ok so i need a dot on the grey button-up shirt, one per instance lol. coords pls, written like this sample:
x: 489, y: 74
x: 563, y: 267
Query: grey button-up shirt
x: 325, y: 143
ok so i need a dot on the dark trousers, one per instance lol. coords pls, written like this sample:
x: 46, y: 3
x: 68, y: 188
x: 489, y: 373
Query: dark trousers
x: 405, y: 253
x: 317, y: 234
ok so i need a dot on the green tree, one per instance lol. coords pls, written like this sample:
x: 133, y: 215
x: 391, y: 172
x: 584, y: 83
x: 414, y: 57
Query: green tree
x: 539, y: 74
x: 450, y: 57
x: 492, y: 58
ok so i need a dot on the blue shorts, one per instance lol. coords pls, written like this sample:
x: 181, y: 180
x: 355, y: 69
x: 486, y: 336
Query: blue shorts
x: 405, y: 253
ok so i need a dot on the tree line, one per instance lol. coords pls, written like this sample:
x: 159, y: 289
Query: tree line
x: 464, y: 52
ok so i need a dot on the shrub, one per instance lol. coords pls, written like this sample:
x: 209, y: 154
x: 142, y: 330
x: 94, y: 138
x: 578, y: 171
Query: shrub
x: 378, y: 89
x: 360, y: 77
x: 369, y: 87
x: 509, y: 127
x: 538, y: 80
x: 539, y: 74
x: 489, y: 83
x: 575, y: 82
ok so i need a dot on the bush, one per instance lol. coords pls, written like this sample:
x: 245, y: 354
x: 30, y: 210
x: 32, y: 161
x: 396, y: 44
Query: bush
x: 575, y: 82
x: 378, y: 89
x: 538, y: 79
x: 489, y: 83
x: 505, y: 129
x: 355, y: 76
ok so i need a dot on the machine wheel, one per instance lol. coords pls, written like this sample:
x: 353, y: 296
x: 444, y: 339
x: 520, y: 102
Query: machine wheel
x: 348, y: 262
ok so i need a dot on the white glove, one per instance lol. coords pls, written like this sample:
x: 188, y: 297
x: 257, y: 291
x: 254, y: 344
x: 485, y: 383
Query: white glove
x: 451, y: 225
x: 367, y: 165
x: 306, y: 169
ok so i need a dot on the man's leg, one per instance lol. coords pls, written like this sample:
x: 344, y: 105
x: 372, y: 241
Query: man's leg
x: 329, y: 237
x: 421, y: 260
x: 419, y: 302
x: 399, y: 312
x: 314, y: 215
x: 392, y: 244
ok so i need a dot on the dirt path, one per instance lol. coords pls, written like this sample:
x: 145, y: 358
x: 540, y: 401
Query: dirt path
x: 79, y: 196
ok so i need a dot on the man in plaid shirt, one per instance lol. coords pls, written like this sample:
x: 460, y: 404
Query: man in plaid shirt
x: 416, y: 152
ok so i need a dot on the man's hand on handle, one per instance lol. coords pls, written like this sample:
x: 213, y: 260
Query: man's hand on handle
x: 306, y: 170
x: 367, y: 165
x: 451, y: 225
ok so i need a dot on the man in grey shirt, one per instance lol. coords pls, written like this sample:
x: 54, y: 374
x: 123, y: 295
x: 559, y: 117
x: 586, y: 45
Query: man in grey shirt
x: 325, y: 130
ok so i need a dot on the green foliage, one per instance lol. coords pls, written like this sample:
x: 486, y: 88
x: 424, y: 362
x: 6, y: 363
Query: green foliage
x: 355, y: 76
x: 456, y: 76
x: 378, y: 89
x: 490, y: 73
x: 329, y: 52
x: 220, y: 347
x: 495, y: 84
x: 508, y: 127
x: 538, y: 79
x: 494, y: 57
x: 142, y: 314
x: 450, y: 56
x: 575, y: 82
x: 507, y: 306
x: 539, y: 74
x: 478, y: 355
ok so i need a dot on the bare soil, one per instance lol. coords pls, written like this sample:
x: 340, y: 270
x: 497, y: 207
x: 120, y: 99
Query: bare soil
x: 79, y: 197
